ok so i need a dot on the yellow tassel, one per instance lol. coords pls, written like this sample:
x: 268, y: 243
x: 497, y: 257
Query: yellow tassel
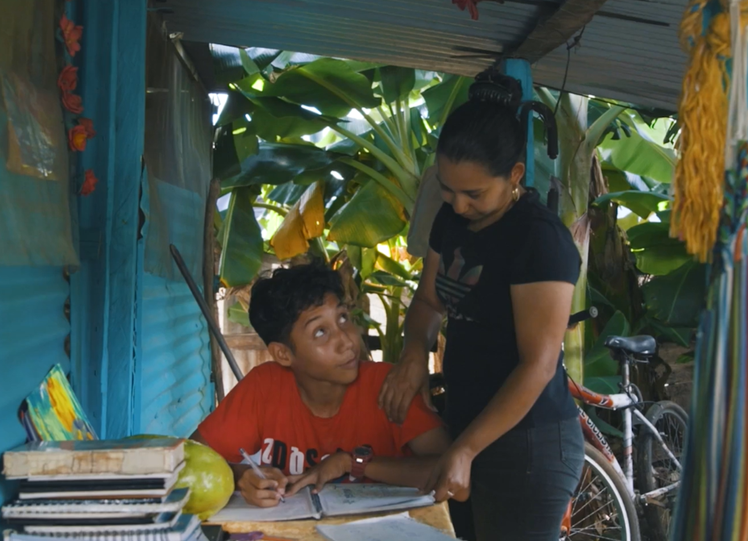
x: 699, y: 174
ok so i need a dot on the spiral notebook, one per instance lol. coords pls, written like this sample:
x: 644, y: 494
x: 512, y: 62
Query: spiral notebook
x: 333, y: 500
x: 51, y: 510
x: 185, y: 528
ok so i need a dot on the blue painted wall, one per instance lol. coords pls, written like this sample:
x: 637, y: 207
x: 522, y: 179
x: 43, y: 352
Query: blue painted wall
x: 173, y: 388
x: 33, y: 328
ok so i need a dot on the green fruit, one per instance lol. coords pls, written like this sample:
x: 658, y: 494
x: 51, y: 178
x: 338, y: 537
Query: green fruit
x: 209, y: 478
x: 207, y: 475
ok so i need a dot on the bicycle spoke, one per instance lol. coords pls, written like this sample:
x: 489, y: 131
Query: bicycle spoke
x: 599, y: 510
x: 594, y: 499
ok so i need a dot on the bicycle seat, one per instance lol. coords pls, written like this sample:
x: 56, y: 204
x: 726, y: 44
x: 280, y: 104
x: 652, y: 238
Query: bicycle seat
x: 634, y: 345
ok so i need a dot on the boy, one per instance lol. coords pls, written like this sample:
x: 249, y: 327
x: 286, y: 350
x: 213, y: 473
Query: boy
x: 313, y: 413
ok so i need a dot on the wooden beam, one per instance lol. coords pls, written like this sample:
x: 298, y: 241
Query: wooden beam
x: 557, y: 29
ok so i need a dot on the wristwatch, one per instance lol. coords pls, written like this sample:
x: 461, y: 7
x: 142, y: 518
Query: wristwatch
x: 359, y: 459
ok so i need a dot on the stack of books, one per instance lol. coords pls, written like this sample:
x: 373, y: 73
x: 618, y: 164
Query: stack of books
x: 99, y: 491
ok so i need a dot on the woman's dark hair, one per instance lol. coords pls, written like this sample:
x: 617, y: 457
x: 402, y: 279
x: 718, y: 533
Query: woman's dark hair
x: 486, y: 129
x: 277, y: 301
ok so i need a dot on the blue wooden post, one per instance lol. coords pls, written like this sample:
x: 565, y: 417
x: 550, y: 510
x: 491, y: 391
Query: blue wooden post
x: 104, y: 293
x: 520, y: 70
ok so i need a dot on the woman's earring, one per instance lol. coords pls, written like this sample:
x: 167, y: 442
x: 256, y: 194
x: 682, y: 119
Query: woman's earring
x: 515, y: 194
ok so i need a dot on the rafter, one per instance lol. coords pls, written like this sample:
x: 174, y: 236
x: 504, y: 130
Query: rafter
x: 555, y: 30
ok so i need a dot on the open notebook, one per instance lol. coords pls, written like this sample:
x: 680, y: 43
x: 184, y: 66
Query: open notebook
x: 333, y: 500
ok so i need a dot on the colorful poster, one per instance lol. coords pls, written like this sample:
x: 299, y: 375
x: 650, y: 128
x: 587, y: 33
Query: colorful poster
x: 53, y: 413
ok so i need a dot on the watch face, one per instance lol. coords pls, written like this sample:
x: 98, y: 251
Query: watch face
x: 362, y: 451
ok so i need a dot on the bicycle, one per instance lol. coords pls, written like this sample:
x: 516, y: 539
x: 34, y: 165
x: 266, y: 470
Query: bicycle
x: 606, y: 503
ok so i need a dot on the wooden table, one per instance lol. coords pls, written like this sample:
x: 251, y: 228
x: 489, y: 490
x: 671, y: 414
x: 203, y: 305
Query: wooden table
x: 306, y: 530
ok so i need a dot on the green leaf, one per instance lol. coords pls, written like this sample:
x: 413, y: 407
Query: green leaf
x: 245, y: 142
x: 397, y: 83
x: 393, y: 267
x: 598, y: 362
x: 274, y: 117
x: 443, y: 98
x: 372, y: 216
x: 278, y: 163
x: 236, y: 107
x: 241, y: 256
x: 686, y: 358
x: 287, y: 194
x: 225, y: 159
x: 656, y: 253
x: 227, y: 63
x: 329, y: 85
x: 641, y: 203
x: 677, y: 298
x: 601, y: 124
x: 250, y: 66
x: 603, y: 385
x: 386, y: 279
x: 287, y: 59
x: 664, y: 333
x: 237, y: 314
x: 262, y: 57
x: 620, y: 181
x: 639, y: 154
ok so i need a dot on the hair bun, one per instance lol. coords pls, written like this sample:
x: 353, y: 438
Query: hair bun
x: 492, y: 86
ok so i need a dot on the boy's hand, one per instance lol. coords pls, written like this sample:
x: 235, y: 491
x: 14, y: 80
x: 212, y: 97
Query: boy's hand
x: 262, y: 492
x: 332, y: 467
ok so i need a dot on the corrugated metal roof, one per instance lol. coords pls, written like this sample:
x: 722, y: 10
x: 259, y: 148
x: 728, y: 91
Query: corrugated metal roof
x: 629, y: 50
x: 175, y: 389
x: 33, y: 328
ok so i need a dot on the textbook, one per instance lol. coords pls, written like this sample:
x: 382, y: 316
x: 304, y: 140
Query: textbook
x: 137, y: 456
x: 332, y: 500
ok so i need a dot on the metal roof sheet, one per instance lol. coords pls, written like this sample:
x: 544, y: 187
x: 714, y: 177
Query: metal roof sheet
x: 629, y: 51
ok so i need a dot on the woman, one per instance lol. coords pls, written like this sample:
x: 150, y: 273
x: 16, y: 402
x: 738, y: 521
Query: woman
x: 503, y: 269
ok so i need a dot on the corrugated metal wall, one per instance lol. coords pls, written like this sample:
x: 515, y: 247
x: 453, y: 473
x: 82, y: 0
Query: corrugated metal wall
x: 33, y: 329
x: 175, y: 388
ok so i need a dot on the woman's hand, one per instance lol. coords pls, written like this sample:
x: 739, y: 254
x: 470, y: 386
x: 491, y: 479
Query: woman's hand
x: 333, y: 467
x: 262, y: 492
x: 450, y: 478
x: 404, y: 381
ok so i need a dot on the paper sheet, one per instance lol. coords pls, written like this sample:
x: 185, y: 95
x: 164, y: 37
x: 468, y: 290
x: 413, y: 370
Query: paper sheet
x: 383, y: 529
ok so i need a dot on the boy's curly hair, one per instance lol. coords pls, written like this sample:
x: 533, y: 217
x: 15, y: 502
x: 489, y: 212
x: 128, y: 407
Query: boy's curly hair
x: 278, y: 300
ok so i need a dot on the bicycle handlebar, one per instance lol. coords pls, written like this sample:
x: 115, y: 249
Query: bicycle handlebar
x: 590, y: 313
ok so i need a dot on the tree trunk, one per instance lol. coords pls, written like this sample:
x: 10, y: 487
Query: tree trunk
x: 576, y: 165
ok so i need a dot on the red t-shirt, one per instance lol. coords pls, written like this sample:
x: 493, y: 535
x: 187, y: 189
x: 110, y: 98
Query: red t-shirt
x: 264, y: 411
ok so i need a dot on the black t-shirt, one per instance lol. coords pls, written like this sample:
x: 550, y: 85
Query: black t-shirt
x: 476, y: 269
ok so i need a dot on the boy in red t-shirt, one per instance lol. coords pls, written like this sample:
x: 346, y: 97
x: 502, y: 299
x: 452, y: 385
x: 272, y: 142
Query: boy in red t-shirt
x: 313, y: 413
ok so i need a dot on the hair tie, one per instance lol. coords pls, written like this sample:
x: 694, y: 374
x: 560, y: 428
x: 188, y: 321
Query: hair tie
x: 492, y: 86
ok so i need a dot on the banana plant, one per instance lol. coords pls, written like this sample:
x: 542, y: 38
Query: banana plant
x: 341, y: 143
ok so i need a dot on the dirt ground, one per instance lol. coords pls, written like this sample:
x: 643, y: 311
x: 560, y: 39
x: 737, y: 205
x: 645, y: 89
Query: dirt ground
x: 680, y: 382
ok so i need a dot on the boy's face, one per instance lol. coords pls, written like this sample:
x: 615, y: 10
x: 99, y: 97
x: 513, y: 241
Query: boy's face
x: 326, y: 343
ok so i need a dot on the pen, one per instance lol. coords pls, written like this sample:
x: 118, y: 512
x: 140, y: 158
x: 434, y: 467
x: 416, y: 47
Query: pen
x: 256, y: 469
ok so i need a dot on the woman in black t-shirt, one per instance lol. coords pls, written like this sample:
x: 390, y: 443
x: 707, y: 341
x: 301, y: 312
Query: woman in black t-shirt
x: 503, y: 269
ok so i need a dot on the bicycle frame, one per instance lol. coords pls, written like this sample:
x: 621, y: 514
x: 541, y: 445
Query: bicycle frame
x: 621, y: 401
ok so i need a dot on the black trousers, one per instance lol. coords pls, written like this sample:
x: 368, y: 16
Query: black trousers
x: 522, y: 484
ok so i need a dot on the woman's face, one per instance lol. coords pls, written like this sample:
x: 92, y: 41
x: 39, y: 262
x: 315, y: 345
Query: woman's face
x: 473, y: 192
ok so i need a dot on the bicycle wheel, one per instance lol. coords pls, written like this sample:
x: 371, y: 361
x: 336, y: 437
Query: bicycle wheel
x: 655, y: 469
x: 601, y: 507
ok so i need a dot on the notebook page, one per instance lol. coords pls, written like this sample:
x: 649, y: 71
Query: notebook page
x: 296, y: 507
x: 350, y: 498
x: 383, y: 529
